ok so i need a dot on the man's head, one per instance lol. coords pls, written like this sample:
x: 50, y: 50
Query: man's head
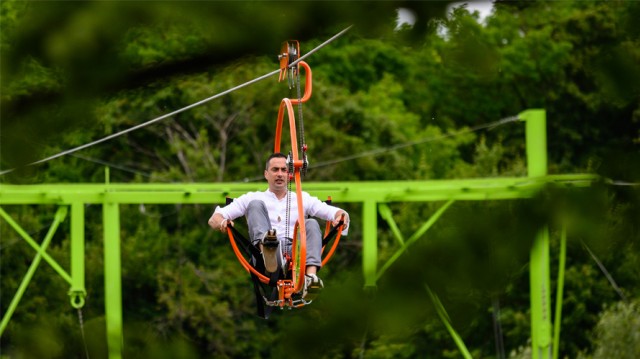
x: 274, y: 155
x: 276, y: 173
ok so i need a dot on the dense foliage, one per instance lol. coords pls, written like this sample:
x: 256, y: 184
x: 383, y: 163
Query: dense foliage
x: 404, y: 104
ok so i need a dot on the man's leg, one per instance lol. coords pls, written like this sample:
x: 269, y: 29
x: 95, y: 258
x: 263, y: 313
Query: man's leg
x: 313, y: 284
x: 314, y: 245
x: 257, y: 221
x: 262, y: 235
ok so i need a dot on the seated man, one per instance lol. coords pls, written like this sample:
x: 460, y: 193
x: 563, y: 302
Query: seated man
x: 267, y: 216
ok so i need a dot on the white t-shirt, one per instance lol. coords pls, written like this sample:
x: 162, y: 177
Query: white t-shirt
x: 277, y: 209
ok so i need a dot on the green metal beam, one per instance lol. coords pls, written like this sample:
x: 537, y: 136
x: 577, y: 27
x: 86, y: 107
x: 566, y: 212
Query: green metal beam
x: 341, y: 192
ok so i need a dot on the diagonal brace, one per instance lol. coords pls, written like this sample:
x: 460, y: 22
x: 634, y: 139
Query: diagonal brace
x: 442, y: 313
x: 60, y: 215
x: 415, y: 237
x: 557, y: 319
x: 385, y: 213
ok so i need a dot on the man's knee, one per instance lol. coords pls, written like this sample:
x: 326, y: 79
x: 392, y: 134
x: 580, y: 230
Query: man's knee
x: 311, y: 225
x: 255, y: 205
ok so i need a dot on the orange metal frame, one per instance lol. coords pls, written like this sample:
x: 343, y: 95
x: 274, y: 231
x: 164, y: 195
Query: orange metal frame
x: 286, y: 287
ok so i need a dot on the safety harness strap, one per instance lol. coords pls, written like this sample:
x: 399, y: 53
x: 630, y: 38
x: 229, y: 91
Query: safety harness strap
x: 332, y: 233
x: 258, y: 262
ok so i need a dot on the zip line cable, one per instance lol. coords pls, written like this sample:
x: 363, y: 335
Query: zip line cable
x: 321, y: 45
x: 417, y: 142
x: 157, y: 119
x: 144, y: 124
x: 112, y: 165
x: 604, y: 270
x: 382, y: 150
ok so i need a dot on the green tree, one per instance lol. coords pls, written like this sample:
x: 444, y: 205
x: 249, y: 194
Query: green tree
x: 617, y: 331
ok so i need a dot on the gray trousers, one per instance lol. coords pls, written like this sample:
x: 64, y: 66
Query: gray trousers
x: 259, y: 223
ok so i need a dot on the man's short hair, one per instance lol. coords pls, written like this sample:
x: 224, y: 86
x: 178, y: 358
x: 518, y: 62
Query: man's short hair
x: 274, y: 155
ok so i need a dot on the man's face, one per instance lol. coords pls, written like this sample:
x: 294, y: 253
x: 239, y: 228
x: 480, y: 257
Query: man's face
x: 276, y: 174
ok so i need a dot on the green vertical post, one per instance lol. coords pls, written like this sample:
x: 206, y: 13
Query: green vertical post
x: 112, y: 279
x: 369, y: 243
x: 77, y: 292
x: 536, y: 141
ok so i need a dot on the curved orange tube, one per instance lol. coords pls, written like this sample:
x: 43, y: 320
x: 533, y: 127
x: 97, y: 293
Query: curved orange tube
x: 307, y: 84
x: 334, y: 246
x: 297, y: 166
x: 303, y: 233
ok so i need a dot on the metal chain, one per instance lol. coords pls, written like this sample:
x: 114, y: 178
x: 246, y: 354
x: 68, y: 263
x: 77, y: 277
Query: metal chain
x: 84, y: 340
x: 288, y: 208
x: 302, y: 140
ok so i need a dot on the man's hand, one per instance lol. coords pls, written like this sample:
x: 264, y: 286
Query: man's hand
x: 338, y: 217
x: 220, y: 223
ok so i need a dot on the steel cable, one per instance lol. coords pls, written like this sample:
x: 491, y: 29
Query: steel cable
x: 157, y: 119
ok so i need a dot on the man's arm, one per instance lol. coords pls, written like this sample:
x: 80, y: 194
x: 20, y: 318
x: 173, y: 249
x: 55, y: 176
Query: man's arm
x: 231, y: 211
x: 317, y: 208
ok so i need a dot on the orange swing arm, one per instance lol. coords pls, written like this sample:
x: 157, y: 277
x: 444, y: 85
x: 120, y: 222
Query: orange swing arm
x: 296, y: 175
x: 243, y: 260
x: 335, y: 241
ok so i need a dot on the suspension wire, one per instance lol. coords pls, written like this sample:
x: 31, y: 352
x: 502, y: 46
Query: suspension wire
x: 497, y: 328
x: 622, y: 183
x: 157, y: 119
x: 605, y: 272
x: 112, y: 165
x: 84, y: 340
x: 144, y: 124
x: 381, y: 150
x: 321, y: 45
x: 418, y: 142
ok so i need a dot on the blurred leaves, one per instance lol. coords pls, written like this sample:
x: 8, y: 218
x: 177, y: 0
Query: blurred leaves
x: 386, y: 105
x: 103, y: 47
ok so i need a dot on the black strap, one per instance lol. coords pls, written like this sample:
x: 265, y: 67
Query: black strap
x: 258, y: 263
x: 258, y: 287
x: 332, y: 233
x: 248, y: 248
x: 260, y: 290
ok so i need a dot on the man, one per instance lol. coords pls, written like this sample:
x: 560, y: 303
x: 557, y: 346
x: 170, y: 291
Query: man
x: 267, y: 217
